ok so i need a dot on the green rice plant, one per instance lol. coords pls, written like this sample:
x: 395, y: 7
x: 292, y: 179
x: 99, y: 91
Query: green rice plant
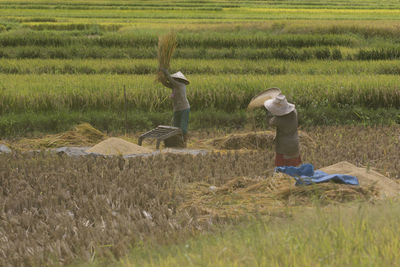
x: 186, y: 39
x: 72, y: 26
x: 14, y: 125
x: 379, y: 53
x: 99, y: 52
x: 34, y: 93
x: 243, y: 13
x: 198, y: 66
x: 313, y: 50
x: 38, y: 19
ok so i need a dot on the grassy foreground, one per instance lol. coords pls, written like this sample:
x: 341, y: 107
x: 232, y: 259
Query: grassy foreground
x: 356, y: 235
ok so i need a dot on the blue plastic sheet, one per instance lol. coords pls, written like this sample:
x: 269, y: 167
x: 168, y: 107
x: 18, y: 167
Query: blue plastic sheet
x: 305, y: 175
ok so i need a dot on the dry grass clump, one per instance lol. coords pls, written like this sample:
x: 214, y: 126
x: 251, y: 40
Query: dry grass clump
x: 250, y: 140
x: 166, y: 47
x: 253, y: 140
x: 326, y: 193
x: 245, y: 196
x: 82, y: 135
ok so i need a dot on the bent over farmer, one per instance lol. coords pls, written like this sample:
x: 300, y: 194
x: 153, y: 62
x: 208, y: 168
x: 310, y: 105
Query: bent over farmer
x: 284, y: 118
x: 177, y: 82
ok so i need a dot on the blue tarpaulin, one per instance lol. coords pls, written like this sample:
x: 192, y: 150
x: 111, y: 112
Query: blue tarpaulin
x: 305, y: 175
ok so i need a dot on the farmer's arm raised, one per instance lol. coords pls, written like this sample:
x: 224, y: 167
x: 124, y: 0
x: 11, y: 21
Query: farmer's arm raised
x: 163, y: 79
x: 168, y: 81
x: 165, y: 82
x: 269, y: 118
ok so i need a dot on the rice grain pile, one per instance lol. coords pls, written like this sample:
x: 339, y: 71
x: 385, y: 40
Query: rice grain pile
x: 368, y: 178
x: 118, y: 146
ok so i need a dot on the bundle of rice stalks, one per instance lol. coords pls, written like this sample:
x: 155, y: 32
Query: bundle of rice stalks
x: 245, y: 196
x: 326, y: 193
x: 238, y: 197
x: 166, y: 47
x: 82, y: 134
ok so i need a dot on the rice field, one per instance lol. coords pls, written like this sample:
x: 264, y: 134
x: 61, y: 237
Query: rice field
x: 67, y: 62
x: 69, y: 58
x: 225, y: 92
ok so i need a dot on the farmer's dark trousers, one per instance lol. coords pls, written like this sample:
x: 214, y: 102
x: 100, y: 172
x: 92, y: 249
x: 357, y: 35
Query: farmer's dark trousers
x: 181, y: 119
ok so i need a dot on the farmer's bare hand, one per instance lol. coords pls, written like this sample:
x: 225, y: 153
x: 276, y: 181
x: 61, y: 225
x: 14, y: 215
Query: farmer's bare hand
x: 164, y: 70
x: 272, y: 121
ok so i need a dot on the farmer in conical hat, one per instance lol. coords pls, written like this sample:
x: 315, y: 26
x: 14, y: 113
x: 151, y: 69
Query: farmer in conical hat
x: 177, y: 82
x: 284, y: 118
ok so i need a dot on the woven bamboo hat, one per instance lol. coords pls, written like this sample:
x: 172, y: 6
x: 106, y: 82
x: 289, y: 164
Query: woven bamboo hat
x: 258, y: 100
x: 180, y: 77
x: 279, y: 106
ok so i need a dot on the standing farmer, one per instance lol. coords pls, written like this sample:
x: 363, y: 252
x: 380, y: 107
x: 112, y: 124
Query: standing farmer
x: 287, y: 138
x: 177, y: 82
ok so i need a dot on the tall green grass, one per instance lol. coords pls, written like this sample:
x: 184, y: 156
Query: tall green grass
x: 23, y: 93
x: 98, y: 52
x: 362, y: 235
x: 185, y: 39
x: 38, y: 123
x: 198, y: 66
x: 51, y: 103
x: 366, y: 29
x: 253, y: 3
x: 242, y: 13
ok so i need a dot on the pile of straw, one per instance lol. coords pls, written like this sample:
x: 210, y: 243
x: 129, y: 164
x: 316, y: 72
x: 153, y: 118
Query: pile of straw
x: 253, y: 140
x: 166, y: 47
x: 258, y: 196
x: 326, y: 193
x: 82, y: 134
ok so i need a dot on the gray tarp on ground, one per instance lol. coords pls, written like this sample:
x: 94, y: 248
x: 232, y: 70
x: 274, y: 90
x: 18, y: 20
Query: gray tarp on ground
x: 81, y: 151
x: 181, y: 151
x: 73, y: 151
x: 4, y: 149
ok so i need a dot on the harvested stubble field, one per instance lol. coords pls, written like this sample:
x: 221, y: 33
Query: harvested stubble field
x: 57, y: 209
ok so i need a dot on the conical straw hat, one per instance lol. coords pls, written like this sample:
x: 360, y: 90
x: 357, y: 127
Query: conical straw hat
x: 279, y: 106
x: 179, y: 75
x: 258, y: 100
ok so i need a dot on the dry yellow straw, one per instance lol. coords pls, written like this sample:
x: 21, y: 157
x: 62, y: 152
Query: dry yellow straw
x: 166, y: 47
